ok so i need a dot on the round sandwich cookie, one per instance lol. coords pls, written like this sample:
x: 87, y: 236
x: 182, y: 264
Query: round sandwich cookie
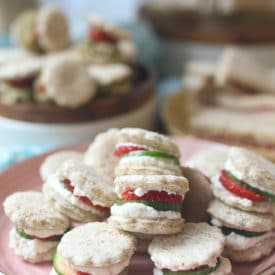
x: 55, y: 160
x: 80, y: 192
x: 195, y: 251
x: 145, y: 152
x: 17, y: 78
x: 249, y: 236
x: 246, y: 181
x: 38, y: 227
x: 66, y: 82
x: 149, y: 204
x: 40, y: 31
x: 100, y: 153
x: 199, y: 195
x: 94, y: 249
x: 209, y: 161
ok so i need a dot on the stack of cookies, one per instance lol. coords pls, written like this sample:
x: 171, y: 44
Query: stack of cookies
x: 244, y: 205
x: 149, y: 185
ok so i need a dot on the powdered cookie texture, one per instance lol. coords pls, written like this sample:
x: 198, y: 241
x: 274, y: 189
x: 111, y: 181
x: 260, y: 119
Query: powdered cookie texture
x: 89, y: 248
x: 53, y: 161
x: 239, y: 219
x: 198, y: 245
x: 151, y: 139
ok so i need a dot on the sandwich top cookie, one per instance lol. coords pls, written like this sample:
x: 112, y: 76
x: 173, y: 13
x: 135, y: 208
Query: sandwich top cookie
x: 38, y: 227
x: 149, y: 204
x: 43, y: 30
x: 248, y: 236
x: 89, y: 249
x: 66, y: 82
x: 53, y: 161
x: 246, y: 181
x: 197, y: 249
x: 80, y: 192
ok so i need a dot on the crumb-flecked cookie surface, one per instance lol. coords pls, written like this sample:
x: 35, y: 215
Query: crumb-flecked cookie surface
x: 198, y: 245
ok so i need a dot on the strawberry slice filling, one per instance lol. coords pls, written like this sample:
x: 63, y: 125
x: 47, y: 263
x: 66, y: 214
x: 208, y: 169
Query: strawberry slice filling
x: 99, y: 35
x: 235, y: 188
x: 84, y: 199
x: 21, y: 83
x: 153, y: 196
x: 125, y: 149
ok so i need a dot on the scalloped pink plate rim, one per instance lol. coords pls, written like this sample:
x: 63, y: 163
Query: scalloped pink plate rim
x: 25, y: 176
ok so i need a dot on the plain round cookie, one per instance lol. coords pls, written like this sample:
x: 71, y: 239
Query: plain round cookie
x: 251, y: 168
x: 53, y: 161
x: 101, y: 151
x: 252, y: 254
x: 235, y: 218
x: 253, y: 206
x: 145, y: 165
x: 160, y: 226
x: 31, y: 212
x: 67, y: 81
x: 25, y: 68
x: 169, y: 183
x: 198, y: 245
x: 53, y: 29
x: 92, y: 244
x: 199, y: 195
x: 151, y: 139
x: 210, y: 161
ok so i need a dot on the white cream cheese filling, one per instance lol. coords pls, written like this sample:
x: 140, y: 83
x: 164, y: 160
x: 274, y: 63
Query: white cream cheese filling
x: 141, y: 211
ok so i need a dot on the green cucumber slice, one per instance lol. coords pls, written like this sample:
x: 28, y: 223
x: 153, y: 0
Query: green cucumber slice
x: 22, y: 234
x: 160, y: 206
x: 149, y: 153
x: 206, y: 271
x: 249, y: 234
x: 55, y: 264
x: 268, y: 196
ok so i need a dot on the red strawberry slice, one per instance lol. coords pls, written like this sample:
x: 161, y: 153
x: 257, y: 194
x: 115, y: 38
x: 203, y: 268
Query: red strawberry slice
x: 83, y: 273
x: 21, y: 83
x: 101, y: 36
x: 154, y: 196
x: 124, y: 149
x: 84, y: 199
x: 238, y: 190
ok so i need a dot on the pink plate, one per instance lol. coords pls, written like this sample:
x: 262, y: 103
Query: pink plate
x: 25, y: 176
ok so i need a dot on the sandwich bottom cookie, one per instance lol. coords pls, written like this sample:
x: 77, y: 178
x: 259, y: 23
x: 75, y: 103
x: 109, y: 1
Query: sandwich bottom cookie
x: 196, y: 250
x: 249, y: 236
x: 94, y: 248
x: 38, y: 228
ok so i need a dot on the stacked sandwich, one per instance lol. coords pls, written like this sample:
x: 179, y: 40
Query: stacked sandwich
x: 230, y: 98
x: 244, y: 205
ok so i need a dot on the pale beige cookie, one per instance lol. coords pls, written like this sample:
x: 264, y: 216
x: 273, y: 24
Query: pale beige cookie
x: 151, y: 139
x: 53, y: 29
x: 33, y: 251
x: 114, y: 78
x: 235, y: 218
x: 65, y: 81
x: 168, y: 183
x: 251, y: 168
x: 256, y: 252
x: 210, y: 161
x: 100, y: 153
x: 26, y: 68
x: 199, y: 195
x: 161, y: 226
x: 70, y: 206
x: 88, y: 248
x: 198, y: 245
x: 244, y: 204
x: 146, y: 165
x: 53, y: 161
x: 32, y: 214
